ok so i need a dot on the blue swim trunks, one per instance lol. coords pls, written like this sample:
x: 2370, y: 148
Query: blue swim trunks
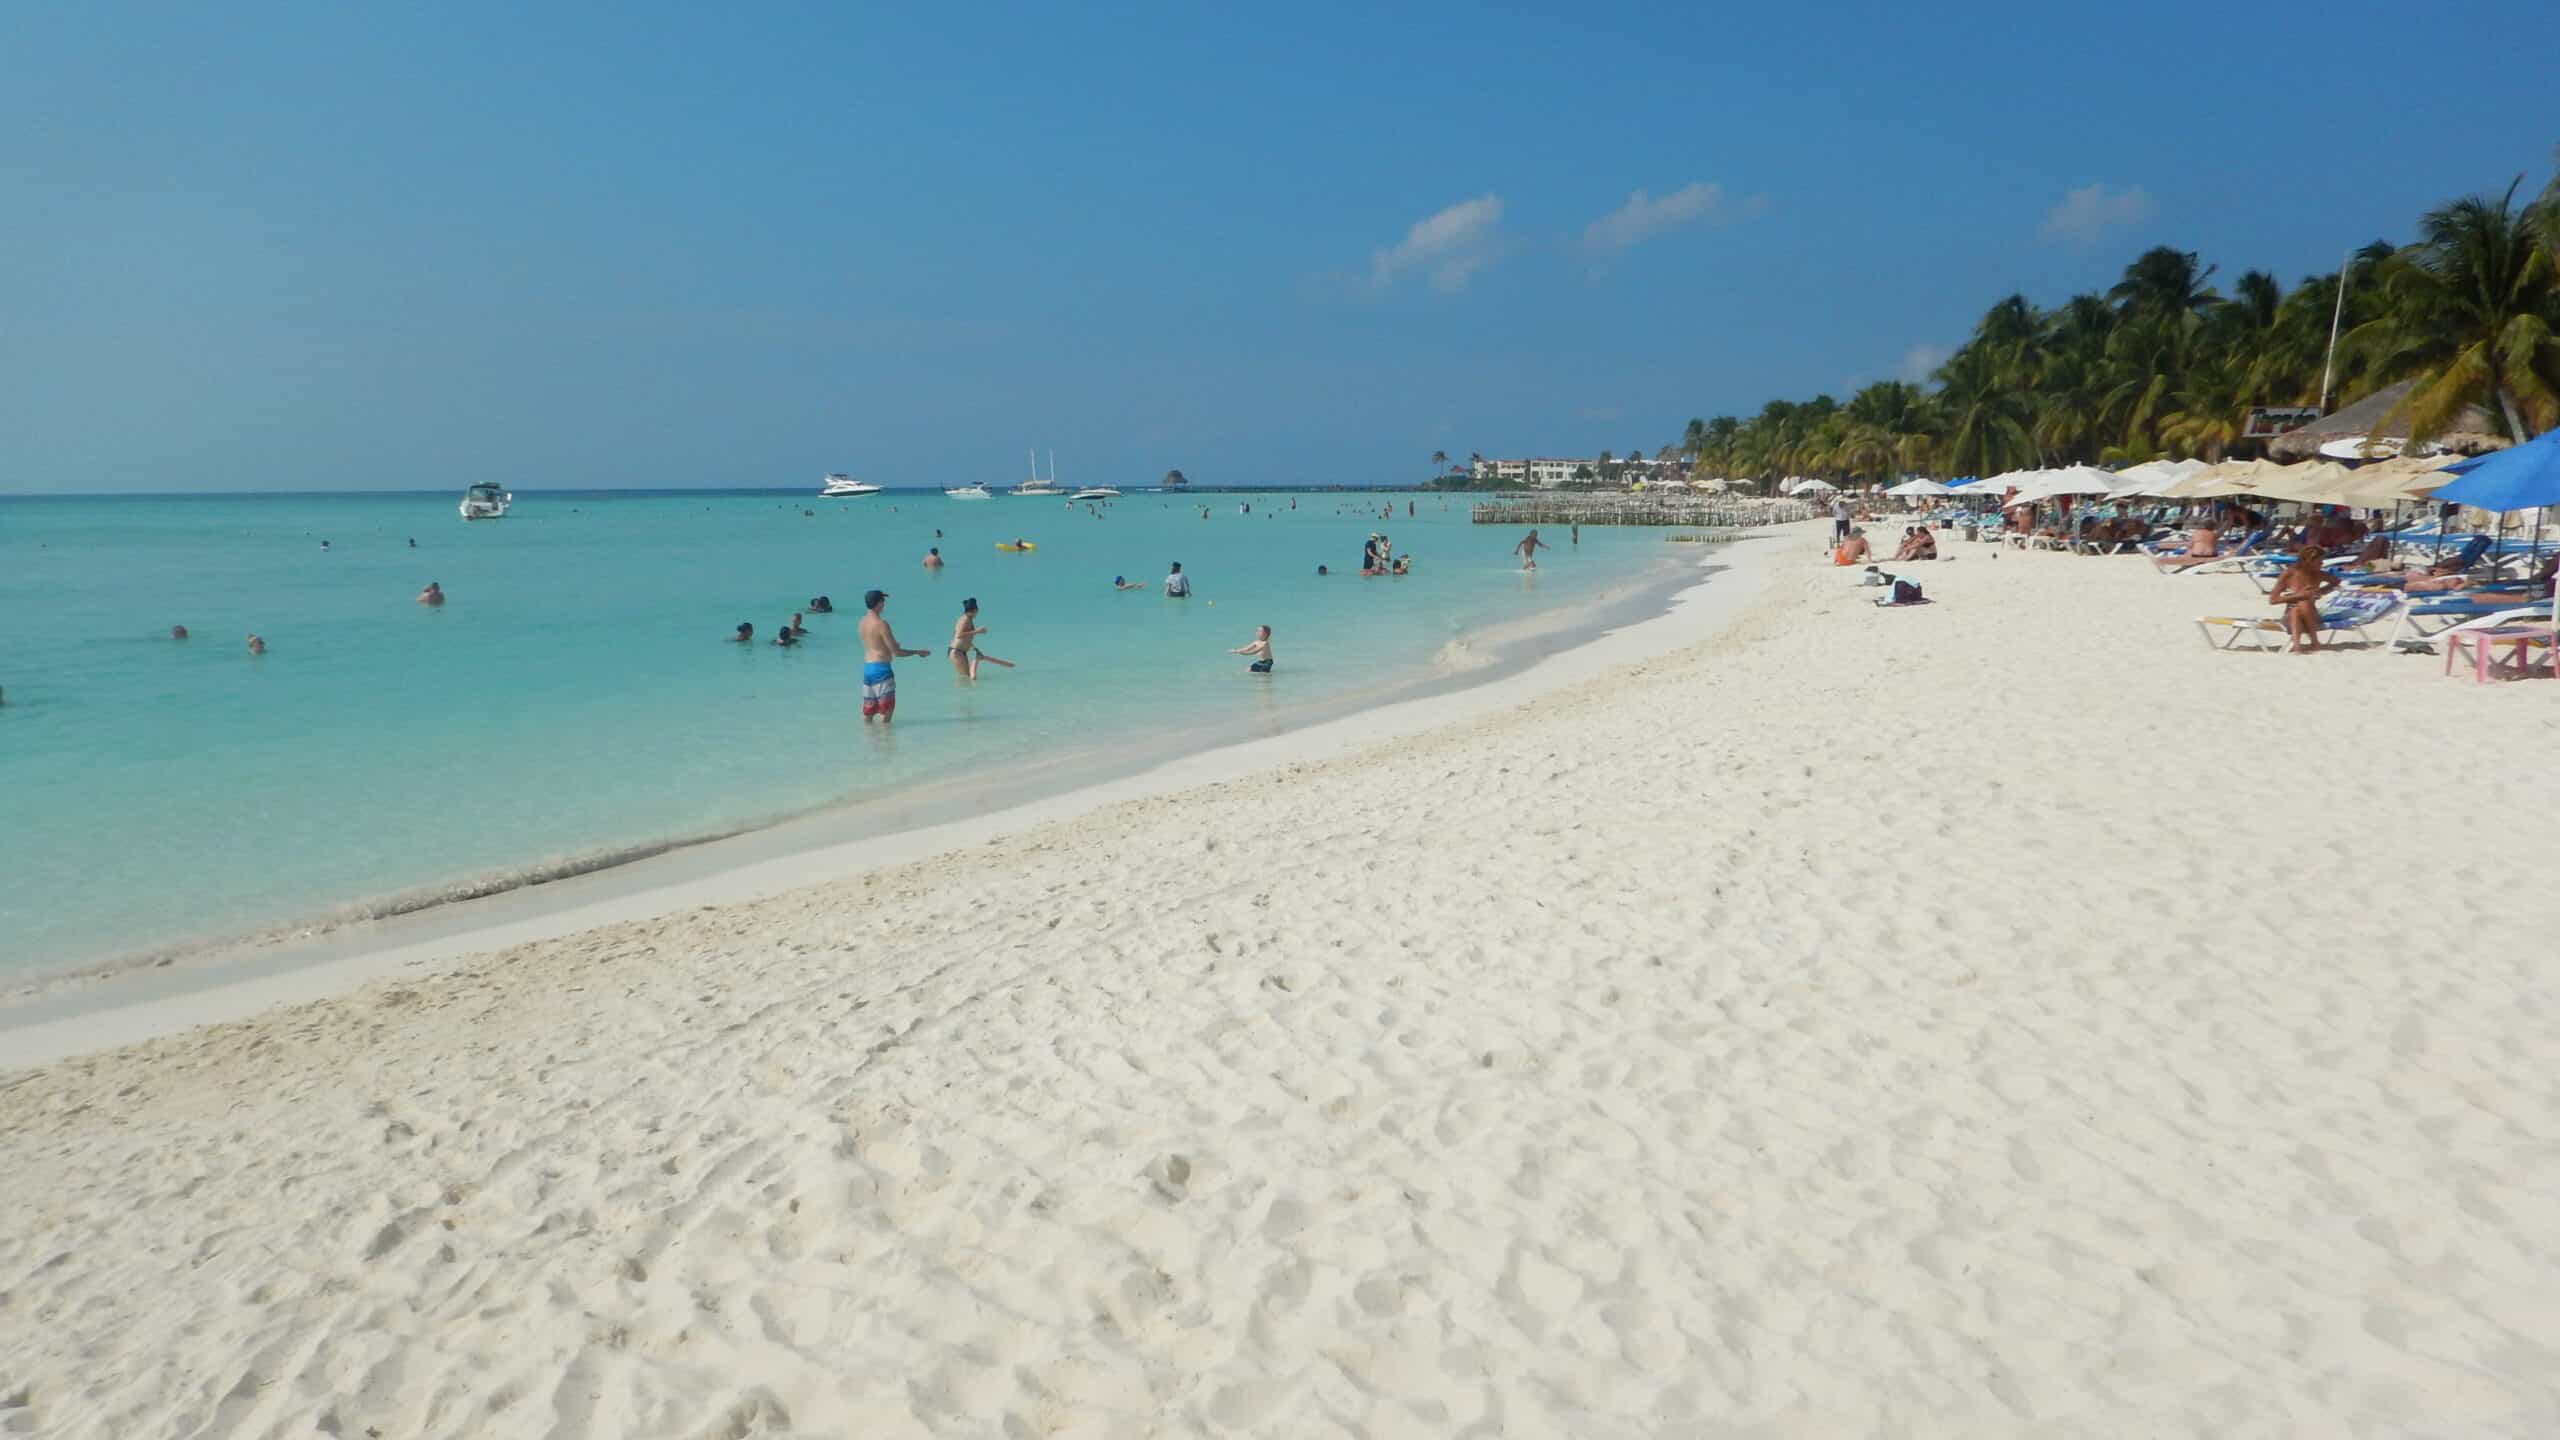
x: 879, y: 688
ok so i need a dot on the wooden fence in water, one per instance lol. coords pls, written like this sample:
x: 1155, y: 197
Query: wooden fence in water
x: 1702, y: 511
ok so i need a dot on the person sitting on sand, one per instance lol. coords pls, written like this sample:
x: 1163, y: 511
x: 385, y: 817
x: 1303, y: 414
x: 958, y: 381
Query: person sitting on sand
x: 432, y: 595
x: 746, y: 634
x: 1854, y: 550
x: 933, y: 558
x: 1924, y: 543
x: 1258, y: 649
x: 2299, y: 590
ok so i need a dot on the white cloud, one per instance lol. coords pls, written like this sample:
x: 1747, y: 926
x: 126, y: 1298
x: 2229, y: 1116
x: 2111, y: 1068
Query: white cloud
x: 2092, y: 208
x: 1921, y: 361
x: 1644, y: 217
x: 1449, y: 246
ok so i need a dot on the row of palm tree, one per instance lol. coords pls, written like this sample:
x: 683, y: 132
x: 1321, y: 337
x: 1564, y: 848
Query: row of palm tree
x: 2163, y: 364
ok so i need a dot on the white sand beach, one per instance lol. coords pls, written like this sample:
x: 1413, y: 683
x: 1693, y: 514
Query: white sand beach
x: 2000, y: 1017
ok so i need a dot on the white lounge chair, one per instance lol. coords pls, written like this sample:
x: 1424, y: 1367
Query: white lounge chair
x: 2351, y: 612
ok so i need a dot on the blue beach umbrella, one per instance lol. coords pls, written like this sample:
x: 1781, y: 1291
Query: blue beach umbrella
x: 2524, y: 477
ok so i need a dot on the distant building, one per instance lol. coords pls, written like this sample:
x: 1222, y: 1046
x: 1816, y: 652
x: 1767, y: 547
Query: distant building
x: 1549, y: 471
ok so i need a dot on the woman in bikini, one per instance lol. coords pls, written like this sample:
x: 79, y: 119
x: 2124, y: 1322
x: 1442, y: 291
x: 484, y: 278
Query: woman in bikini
x: 964, y: 650
x: 2299, y: 590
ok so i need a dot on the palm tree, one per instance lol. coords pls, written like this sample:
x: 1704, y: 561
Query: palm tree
x: 1987, y: 416
x: 1439, y: 461
x: 1693, y: 439
x: 2469, y: 312
x: 2164, y: 280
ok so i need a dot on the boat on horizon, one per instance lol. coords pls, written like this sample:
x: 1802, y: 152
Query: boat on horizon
x: 1035, y: 486
x: 487, y: 500
x: 841, y: 486
x: 1096, y: 492
x: 970, y: 491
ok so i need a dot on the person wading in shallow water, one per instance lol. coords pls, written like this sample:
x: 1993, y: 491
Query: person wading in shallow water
x: 879, y: 650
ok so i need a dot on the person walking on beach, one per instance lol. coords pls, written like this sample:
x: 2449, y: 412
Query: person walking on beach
x: 1178, y: 585
x: 1528, y: 550
x: 1840, y: 518
x: 880, y: 651
x: 965, y: 653
x: 1258, y: 650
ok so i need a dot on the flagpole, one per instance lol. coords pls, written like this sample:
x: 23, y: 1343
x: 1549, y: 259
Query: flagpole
x: 2336, y: 314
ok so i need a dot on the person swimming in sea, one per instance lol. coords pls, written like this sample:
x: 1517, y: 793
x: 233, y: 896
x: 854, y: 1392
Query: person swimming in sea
x: 821, y: 605
x: 1123, y: 582
x: 1177, y: 584
x: 786, y: 637
x: 432, y: 595
x: 933, y: 558
x: 798, y: 630
x: 257, y: 645
x: 746, y: 634
x: 1258, y: 649
x: 177, y: 632
x: 1320, y: 570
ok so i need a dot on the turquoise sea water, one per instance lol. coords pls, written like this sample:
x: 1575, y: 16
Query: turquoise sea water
x: 577, y: 695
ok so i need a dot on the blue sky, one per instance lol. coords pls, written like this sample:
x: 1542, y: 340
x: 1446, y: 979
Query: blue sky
x: 379, y: 246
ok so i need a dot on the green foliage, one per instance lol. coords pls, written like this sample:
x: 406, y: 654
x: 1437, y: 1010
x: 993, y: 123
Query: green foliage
x: 2165, y: 364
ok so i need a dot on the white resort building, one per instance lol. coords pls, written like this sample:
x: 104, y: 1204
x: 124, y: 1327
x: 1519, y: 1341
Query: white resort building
x: 1549, y: 472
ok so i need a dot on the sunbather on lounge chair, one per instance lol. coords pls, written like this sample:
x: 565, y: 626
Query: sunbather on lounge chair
x: 2299, y: 590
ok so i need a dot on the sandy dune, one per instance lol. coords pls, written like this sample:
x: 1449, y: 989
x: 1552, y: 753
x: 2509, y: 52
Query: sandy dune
x: 2003, y: 1017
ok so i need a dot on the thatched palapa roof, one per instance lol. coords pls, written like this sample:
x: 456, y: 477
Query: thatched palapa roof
x: 2473, y: 432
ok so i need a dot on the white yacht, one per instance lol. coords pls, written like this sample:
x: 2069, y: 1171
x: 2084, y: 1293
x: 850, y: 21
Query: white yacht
x: 972, y: 491
x: 1035, y: 486
x: 1096, y: 492
x: 487, y: 500
x: 839, y: 486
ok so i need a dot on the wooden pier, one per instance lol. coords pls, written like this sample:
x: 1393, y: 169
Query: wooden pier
x: 1707, y: 512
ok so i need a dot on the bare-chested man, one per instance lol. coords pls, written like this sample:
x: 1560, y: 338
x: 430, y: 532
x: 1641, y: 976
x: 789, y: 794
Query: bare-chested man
x: 879, y: 649
x: 1528, y: 550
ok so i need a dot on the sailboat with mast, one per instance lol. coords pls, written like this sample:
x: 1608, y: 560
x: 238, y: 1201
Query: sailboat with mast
x: 1037, y: 487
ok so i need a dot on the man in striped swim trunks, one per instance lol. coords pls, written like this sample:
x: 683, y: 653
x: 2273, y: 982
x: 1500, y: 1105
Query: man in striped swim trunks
x: 879, y: 649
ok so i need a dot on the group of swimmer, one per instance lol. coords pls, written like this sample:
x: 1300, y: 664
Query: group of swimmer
x: 881, y: 650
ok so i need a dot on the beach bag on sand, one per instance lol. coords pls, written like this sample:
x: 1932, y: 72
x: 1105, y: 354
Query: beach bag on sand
x: 1905, y: 593
x: 1875, y: 576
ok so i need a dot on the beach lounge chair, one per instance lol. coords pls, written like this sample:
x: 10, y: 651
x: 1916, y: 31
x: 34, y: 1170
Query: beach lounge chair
x: 2351, y: 612
x: 2421, y: 624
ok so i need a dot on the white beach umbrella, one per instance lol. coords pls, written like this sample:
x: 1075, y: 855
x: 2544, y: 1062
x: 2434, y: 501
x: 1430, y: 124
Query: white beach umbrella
x: 2153, y: 477
x: 2070, y: 480
x: 1918, y: 487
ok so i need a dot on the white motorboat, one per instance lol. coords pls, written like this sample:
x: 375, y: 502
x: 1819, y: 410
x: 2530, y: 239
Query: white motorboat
x: 487, y: 500
x: 839, y: 486
x: 1096, y: 492
x: 968, y: 492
